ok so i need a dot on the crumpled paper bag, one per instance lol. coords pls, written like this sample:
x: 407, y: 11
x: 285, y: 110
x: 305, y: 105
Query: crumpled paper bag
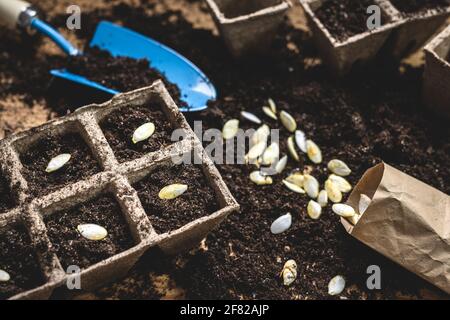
x: 407, y: 221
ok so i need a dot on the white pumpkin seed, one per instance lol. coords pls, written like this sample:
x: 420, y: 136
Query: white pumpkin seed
x: 311, y: 186
x: 288, y: 121
x: 300, y: 140
x: 58, y: 162
x: 260, y: 179
x: 314, y: 210
x: 272, y: 105
x: 230, y: 129
x: 293, y: 187
x: 172, y: 191
x: 334, y: 194
x: 281, y: 224
x: 291, y: 149
x: 289, y: 272
x: 92, y: 231
x: 268, y: 112
x: 271, y: 154
x: 250, y: 117
x: 364, y: 203
x: 354, y: 219
x: 313, y: 151
x: 261, y: 134
x: 143, y: 132
x: 281, y: 164
x: 4, y: 276
x: 336, y: 286
x: 339, y: 167
x: 322, y: 198
x: 342, y: 183
x: 343, y: 210
x: 296, y: 178
x: 256, y: 151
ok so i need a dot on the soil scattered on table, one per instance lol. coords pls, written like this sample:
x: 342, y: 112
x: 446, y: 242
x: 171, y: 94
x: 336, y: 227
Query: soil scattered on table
x: 344, y: 18
x: 120, y: 125
x: 167, y: 215
x: 72, y: 248
x: 242, y: 8
x: 18, y: 259
x: 6, y: 198
x: 36, y: 158
x: 414, y: 6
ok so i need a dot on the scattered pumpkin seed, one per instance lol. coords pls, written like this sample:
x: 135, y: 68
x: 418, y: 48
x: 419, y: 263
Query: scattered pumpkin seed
x: 4, y: 276
x: 364, y: 203
x: 272, y: 105
x: 296, y: 178
x: 300, y: 139
x: 343, y: 210
x: 354, y: 219
x: 342, y: 183
x: 339, y: 167
x: 336, y: 286
x: 281, y: 164
x: 260, y: 179
x: 288, y: 121
x: 261, y: 134
x: 291, y: 148
x: 289, y: 272
x: 256, y: 151
x: 322, y: 198
x: 92, y: 231
x: 314, y: 210
x: 314, y: 152
x: 271, y: 154
x: 281, y: 224
x: 58, y: 162
x: 334, y: 194
x: 230, y: 129
x: 268, y: 112
x: 172, y: 191
x: 143, y: 132
x: 293, y: 187
x: 311, y: 186
x: 250, y: 117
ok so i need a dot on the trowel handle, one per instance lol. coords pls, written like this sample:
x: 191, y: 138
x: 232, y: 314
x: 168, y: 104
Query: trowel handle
x: 15, y: 13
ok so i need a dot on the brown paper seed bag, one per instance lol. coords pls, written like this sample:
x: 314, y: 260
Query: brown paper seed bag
x: 407, y: 221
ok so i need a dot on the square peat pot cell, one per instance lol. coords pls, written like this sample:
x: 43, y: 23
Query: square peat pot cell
x: 436, y: 77
x: 248, y: 26
x: 19, y: 267
x: 341, y: 33
x: 7, y: 199
x: 37, y: 150
x: 418, y: 21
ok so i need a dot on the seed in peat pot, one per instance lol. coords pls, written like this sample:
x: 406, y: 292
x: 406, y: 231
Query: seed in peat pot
x: 250, y: 117
x: 336, y: 285
x: 313, y: 151
x: 296, y: 178
x: 322, y: 198
x: 291, y: 149
x: 293, y: 187
x: 311, y: 186
x: 92, y: 231
x: 342, y: 183
x: 172, y: 191
x: 271, y: 154
x: 343, y: 210
x: 314, y: 210
x: 261, y: 134
x: 289, y: 272
x: 281, y: 164
x: 354, y: 219
x: 272, y: 105
x: 300, y: 140
x: 334, y: 194
x: 256, y: 151
x: 260, y: 179
x: 364, y: 203
x: 288, y: 121
x: 268, y: 112
x: 4, y: 276
x: 281, y: 224
x: 143, y: 132
x: 230, y: 129
x: 339, y: 167
x: 58, y: 162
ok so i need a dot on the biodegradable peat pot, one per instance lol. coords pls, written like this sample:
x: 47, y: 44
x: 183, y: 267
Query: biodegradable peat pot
x: 42, y: 214
x: 358, y: 49
x: 436, y: 76
x: 248, y: 26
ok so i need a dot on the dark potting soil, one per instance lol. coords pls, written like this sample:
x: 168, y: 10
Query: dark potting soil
x: 167, y: 215
x: 6, y: 198
x: 237, y: 9
x: 36, y: 158
x: 344, y: 18
x: 17, y: 258
x: 72, y: 248
x: 414, y: 6
x: 120, y: 125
